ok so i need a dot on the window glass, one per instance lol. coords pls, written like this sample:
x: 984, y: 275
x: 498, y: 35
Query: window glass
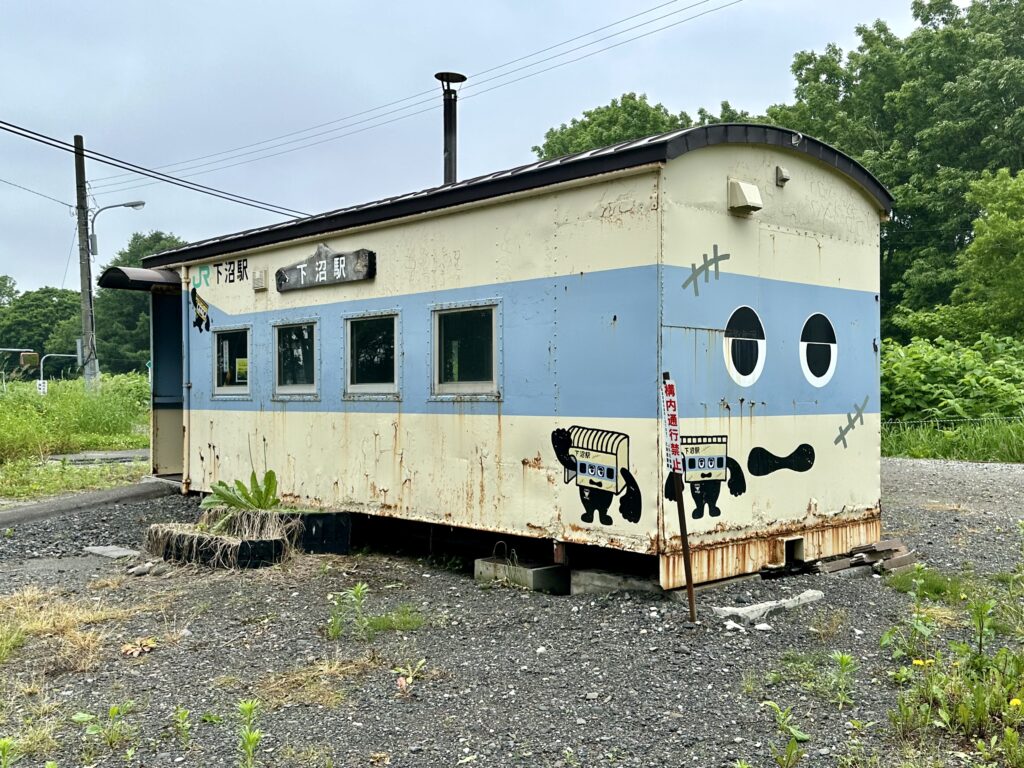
x: 296, y: 360
x: 371, y: 351
x: 466, y: 346
x: 232, y: 359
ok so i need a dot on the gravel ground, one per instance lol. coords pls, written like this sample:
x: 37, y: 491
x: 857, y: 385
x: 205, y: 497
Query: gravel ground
x: 512, y: 678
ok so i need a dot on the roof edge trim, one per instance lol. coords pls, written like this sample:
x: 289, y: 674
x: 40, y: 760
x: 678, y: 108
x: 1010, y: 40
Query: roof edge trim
x: 617, y: 157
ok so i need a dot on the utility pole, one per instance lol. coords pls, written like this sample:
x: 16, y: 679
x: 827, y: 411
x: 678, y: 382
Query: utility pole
x: 91, y: 367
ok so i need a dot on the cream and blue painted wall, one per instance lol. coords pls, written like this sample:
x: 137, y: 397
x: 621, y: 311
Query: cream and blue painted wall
x: 589, y: 282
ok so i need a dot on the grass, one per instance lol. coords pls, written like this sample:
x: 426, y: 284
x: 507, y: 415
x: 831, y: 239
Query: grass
x: 404, y: 619
x: 317, y: 684
x: 932, y: 584
x: 1000, y: 441
x: 32, y: 612
x: 30, y: 479
x: 71, y: 419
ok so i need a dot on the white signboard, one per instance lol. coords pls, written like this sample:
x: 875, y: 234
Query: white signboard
x: 42, y: 385
x: 670, y: 414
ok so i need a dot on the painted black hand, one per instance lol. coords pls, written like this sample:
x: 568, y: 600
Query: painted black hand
x: 562, y: 442
x: 670, y: 488
x: 631, y: 503
x: 737, y: 482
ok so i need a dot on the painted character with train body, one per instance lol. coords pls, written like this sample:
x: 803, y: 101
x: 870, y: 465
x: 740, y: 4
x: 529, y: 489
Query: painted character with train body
x: 598, y: 460
x: 706, y: 463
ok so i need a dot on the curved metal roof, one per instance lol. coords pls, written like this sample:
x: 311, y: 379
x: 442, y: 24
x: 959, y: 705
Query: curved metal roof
x: 652, y: 149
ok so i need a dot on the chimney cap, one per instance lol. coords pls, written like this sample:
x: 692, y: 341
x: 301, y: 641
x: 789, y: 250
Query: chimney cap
x: 447, y: 78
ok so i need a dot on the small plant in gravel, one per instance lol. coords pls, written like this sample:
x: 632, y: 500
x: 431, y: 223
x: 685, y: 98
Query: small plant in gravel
x: 912, y: 638
x: 408, y: 675
x: 857, y: 755
x: 840, y: 677
x: 405, y: 618
x: 112, y: 731
x: 349, y: 609
x: 788, y: 756
x: 784, y: 721
x: 259, y: 496
x: 182, y: 726
x: 249, y: 736
x: 8, y: 752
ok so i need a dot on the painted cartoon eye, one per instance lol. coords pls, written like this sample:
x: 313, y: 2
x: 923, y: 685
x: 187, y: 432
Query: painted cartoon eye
x: 744, y: 346
x: 818, y: 350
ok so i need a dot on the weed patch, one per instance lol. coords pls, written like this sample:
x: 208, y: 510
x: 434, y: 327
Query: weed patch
x: 69, y: 419
x: 317, y: 684
x: 29, y: 479
x: 32, y: 612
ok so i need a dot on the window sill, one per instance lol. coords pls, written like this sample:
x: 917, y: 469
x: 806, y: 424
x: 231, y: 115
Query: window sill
x: 295, y: 396
x: 224, y: 395
x: 462, y: 397
x: 378, y: 396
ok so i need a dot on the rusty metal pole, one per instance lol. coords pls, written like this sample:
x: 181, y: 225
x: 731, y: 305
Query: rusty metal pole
x: 677, y: 483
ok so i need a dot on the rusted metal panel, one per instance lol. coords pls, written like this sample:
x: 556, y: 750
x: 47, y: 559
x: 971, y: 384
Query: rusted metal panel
x: 749, y: 554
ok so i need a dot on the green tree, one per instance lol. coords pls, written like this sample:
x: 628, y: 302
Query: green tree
x: 928, y: 114
x: 626, y: 118
x: 8, y: 290
x: 122, y: 317
x: 26, y: 322
x: 989, y: 271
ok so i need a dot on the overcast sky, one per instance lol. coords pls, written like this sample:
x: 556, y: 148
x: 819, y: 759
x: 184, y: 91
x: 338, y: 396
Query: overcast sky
x: 158, y: 82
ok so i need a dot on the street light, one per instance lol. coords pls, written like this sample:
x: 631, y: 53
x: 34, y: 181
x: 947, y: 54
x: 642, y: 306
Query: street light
x: 136, y: 204
x: 91, y: 364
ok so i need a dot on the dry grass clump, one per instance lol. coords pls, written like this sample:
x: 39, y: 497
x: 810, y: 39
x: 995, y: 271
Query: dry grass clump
x: 33, y: 612
x: 318, y: 684
x: 107, y: 582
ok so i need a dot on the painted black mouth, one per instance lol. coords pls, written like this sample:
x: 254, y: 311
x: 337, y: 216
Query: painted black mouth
x: 763, y: 462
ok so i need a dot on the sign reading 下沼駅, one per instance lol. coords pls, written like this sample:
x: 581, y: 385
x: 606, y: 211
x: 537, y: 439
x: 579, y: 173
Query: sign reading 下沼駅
x: 328, y: 267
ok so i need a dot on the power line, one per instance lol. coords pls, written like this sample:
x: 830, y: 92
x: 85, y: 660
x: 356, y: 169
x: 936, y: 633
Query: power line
x: 607, y: 48
x: 406, y: 98
x: 191, y: 165
x: 50, y: 141
x: 38, y: 194
x: 220, y: 166
x: 71, y: 249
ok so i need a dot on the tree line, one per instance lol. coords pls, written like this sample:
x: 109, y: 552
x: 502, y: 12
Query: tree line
x: 48, y: 320
x: 938, y: 117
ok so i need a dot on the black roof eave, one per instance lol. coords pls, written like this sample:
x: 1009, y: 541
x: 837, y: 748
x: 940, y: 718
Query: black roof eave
x: 658, y: 149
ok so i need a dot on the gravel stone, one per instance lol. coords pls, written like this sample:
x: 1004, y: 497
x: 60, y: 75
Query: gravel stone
x: 624, y: 680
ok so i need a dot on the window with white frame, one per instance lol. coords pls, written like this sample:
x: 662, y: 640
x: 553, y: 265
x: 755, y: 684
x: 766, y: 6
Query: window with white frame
x: 295, y: 361
x: 371, y: 359
x: 465, y: 357
x: 231, y: 366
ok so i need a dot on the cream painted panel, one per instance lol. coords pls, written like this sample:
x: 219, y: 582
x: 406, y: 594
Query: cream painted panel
x: 607, y: 224
x: 820, y: 228
x: 841, y: 480
x: 484, y: 472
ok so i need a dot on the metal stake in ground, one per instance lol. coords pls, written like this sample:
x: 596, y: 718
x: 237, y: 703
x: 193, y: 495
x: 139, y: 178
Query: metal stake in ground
x: 674, y: 464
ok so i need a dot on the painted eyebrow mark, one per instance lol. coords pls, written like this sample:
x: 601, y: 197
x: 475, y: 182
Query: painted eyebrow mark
x: 851, y: 422
x: 697, y: 271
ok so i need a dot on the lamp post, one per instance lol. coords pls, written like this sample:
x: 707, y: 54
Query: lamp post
x: 90, y: 362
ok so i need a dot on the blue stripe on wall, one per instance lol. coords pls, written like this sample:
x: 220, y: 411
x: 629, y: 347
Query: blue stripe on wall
x: 695, y: 356
x: 579, y: 346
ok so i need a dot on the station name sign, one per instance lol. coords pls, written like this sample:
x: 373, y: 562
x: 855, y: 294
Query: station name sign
x: 328, y: 267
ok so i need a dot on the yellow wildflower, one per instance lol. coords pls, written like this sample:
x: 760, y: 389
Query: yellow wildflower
x: 918, y: 662
x: 1014, y: 702
x: 929, y: 662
